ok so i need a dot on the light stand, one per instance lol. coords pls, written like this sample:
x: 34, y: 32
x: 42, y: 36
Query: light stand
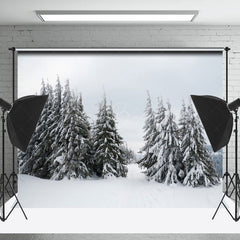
x: 22, y: 118
x: 234, y: 180
x: 5, y: 180
x: 217, y: 120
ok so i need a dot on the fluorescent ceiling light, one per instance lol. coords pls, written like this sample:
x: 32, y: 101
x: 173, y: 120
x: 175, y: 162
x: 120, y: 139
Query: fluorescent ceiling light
x: 117, y: 16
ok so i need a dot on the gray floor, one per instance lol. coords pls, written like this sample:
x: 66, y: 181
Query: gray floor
x: 119, y: 236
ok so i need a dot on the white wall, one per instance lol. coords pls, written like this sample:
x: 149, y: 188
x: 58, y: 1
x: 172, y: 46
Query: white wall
x: 119, y: 36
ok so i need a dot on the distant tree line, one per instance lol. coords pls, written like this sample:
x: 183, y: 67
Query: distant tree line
x: 65, y: 144
x: 176, y: 153
x: 130, y: 155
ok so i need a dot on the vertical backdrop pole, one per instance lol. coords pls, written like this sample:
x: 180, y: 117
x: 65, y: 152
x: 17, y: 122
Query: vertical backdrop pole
x: 236, y: 166
x: 3, y: 164
x: 13, y: 99
x: 226, y: 173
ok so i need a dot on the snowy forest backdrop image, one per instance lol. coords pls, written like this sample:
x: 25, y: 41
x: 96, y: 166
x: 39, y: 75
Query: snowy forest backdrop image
x: 119, y: 130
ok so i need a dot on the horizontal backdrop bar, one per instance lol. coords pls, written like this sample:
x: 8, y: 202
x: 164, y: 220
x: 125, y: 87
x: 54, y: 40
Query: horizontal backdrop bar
x: 188, y: 49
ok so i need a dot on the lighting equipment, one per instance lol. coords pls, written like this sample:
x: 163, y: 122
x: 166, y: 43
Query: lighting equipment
x: 117, y: 16
x: 21, y: 119
x: 217, y: 120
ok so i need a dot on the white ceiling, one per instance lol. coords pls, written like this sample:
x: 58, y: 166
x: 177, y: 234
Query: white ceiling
x: 211, y: 12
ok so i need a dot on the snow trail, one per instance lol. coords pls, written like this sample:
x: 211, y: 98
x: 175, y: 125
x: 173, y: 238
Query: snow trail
x: 134, y: 191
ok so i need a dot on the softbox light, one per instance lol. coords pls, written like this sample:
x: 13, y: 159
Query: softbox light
x: 22, y: 119
x: 216, y: 119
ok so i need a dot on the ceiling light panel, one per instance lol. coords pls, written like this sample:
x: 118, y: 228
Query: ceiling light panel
x: 117, y: 16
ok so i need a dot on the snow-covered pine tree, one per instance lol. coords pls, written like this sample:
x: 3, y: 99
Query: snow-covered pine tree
x: 166, y: 167
x: 183, y: 121
x: 197, y: 159
x: 56, y: 119
x: 108, y: 156
x: 117, y: 151
x: 43, y: 144
x: 27, y: 159
x: 99, y: 139
x: 68, y: 162
x: 160, y: 116
x: 183, y: 126
x: 57, y: 172
x: 89, y: 155
x: 83, y: 129
x: 150, y: 134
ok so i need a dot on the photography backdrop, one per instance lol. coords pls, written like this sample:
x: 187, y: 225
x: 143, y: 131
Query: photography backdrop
x: 125, y: 78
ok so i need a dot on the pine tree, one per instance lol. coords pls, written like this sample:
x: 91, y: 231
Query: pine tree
x: 63, y: 120
x: 27, y: 160
x: 89, y: 155
x: 69, y: 162
x: 150, y: 134
x: 43, y: 144
x: 183, y: 126
x: 83, y: 129
x: 61, y: 144
x: 56, y: 119
x: 117, y: 151
x: 197, y: 159
x: 57, y: 166
x: 183, y: 122
x: 108, y: 156
x: 160, y: 116
x: 166, y: 167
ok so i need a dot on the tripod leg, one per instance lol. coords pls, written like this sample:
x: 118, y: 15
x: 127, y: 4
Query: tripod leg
x: 17, y: 199
x: 225, y: 194
x: 219, y: 204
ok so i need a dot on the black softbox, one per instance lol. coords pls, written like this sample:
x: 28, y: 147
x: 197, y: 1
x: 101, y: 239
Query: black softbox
x: 22, y: 119
x: 216, y: 119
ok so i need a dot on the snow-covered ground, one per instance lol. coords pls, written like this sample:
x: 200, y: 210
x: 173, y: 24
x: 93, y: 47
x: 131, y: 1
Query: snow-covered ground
x: 131, y: 192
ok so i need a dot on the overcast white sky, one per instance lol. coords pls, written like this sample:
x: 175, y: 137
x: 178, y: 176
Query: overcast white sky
x: 125, y: 78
